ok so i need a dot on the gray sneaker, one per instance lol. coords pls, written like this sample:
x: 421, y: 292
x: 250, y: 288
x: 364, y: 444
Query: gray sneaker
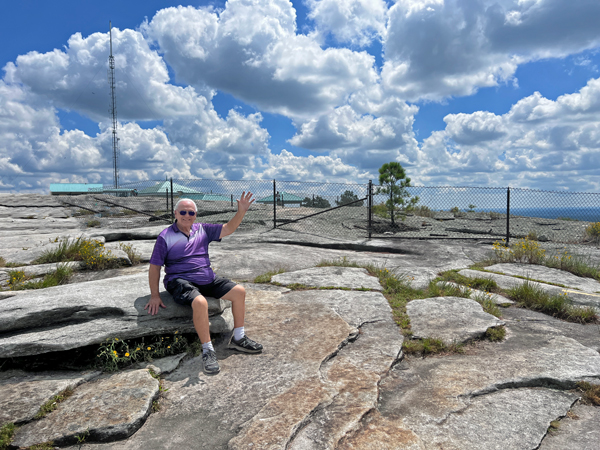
x: 245, y: 344
x: 211, y: 366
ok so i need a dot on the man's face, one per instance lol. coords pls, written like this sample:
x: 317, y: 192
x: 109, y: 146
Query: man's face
x: 187, y: 206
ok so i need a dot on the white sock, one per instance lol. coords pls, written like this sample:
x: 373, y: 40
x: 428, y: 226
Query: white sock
x: 207, y: 346
x: 238, y: 333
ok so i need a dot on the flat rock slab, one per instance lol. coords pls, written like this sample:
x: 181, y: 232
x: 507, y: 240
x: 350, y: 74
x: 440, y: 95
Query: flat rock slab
x: 548, y: 274
x: 22, y: 396
x: 162, y: 365
x: 506, y: 282
x: 71, y: 316
x: 108, y: 409
x: 341, y: 277
x: 511, y: 418
x: 578, y: 431
x: 143, y: 248
x: 451, y: 319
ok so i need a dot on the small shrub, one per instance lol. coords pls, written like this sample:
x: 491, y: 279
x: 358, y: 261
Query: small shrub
x: 381, y: 210
x: 494, y: 215
x: 60, y: 276
x: 471, y: 208
x: 423, y: 211
x: 15, y: 279
x: 495, y: 334
x: 93, y: 223
x: 532, y: 236
x: 2, y: 262
x: 7, y: 432
x: 133, y: 256
x: 593, y: 232
x: 523, y: 251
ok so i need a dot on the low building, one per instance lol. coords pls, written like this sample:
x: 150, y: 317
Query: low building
x: 75, y: 188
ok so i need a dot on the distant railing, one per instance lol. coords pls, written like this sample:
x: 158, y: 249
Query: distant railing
x: 353, y: 211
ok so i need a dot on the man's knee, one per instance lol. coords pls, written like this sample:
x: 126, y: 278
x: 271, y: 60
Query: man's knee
x: 199, y: 303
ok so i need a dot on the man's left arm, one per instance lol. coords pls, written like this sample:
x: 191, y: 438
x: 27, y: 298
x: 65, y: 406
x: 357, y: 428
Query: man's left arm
x: 243, y: 204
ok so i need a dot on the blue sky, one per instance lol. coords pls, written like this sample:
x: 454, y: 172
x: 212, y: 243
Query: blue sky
x: 475, y: 93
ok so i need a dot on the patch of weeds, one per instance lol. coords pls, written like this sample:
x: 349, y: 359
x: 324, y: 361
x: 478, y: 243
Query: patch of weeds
x: 446, y: 289
x: 527, y: 251
x: 155, y: 406
x: 554, y: 426
x: 429, y: 346
x: 591, y: 393
x: 495, y: 334
x: 7, y: 431
x: 116, y: 353
x: 481, y: 283
x: 340, y: 262
x: 53, y: 403
x: 93, y: 223
x: 19, y: 281
x: 90, y: 251
x: 82, y: 437
x: 593, y: 232
x: 43, y: 446
x: 534, y: 297
x: 298, y: 287
x: 133, y: 256
x: 2, y: 262
x: 532, y: 236
x: 266, y: 277
x: 423, y: 211
x: 488, y: 305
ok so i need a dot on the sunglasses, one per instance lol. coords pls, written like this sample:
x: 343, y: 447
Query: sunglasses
x: 191, y: 213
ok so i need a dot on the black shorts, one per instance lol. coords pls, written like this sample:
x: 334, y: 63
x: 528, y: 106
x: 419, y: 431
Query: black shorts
x: 184, y: 291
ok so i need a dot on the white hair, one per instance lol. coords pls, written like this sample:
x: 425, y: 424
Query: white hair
x: 186, y: 200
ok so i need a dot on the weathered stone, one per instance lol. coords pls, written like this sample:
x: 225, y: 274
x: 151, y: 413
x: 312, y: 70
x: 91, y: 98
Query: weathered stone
x: 548, y: 274
x: 510, y: 418
x: 343, y: 277
x: 71, y: 316
x: 31, y: 251
x: 22, y: 396
x: 497, y: 299
x: 578, y: 431
x: 110, y: 408
x: 443, y: 215
x: 506, y: 282
x: 162, y: 365
x: 145, y: 233
x: 451, y: 319
x: 28, y: 226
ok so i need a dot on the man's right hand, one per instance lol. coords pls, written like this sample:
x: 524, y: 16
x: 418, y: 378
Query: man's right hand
x: 153, y: 304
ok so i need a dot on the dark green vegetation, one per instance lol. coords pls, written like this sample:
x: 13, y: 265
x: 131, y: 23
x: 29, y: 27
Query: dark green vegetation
x: 19, y: 281
x: 393, y: 181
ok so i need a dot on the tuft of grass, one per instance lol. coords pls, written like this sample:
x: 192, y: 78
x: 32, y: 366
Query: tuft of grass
x: 534, y: 297
x: 340, y: 262
x: 481, y: 283
x: 155, y: 406
x: 495, y: 334
x: 429, y: 346
x: 133, y: 256
x: 53, y: 403
x: 43, y: 446
x: 2, y: 262
x: 93, y: 223
x: 445, y: 289
x: 82, y: 437
x: 488, y: 305
x: 266, y: 277
x: 591, y: 392
x: 7, y: 431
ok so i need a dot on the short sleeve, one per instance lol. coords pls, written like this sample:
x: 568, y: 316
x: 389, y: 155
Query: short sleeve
x: 160, y: 252
x: 213, y: 231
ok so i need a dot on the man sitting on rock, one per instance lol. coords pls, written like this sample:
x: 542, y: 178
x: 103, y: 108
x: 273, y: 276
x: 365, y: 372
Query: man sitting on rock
x: 183, y: 249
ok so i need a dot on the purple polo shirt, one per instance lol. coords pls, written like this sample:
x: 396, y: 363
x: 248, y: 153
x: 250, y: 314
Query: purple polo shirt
x: 185, y: 257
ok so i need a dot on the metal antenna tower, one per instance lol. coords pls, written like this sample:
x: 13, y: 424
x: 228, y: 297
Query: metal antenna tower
x: 113, y: 110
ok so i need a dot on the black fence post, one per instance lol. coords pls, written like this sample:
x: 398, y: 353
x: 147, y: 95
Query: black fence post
x: 274, y: 205
x: 369, y: 206
x: 167, y: 195
x: 172, y: 204
x: 507, y: 215
x: 232, y: 200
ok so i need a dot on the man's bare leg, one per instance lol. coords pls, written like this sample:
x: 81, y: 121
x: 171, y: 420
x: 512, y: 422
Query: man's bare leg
x: 237, y: 297
x: 200, y: 317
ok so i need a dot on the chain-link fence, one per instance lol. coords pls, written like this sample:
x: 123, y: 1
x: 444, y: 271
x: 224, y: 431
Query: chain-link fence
x: 354, y: 211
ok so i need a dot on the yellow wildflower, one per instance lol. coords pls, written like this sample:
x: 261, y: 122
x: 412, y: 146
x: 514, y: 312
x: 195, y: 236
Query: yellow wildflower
x: 127, y: 354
